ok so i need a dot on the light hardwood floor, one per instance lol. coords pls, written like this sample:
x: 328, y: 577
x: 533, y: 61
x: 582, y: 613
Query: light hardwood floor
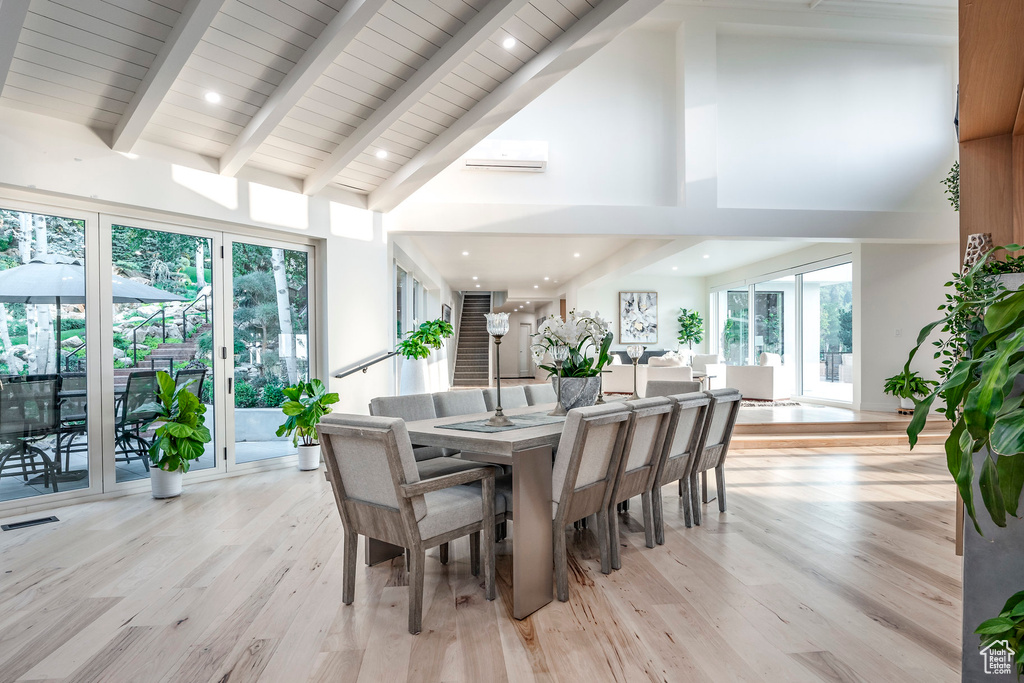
x: 829, y: 566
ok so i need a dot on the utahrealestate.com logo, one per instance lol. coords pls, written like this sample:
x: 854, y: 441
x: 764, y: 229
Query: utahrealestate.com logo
x: 999, y: 658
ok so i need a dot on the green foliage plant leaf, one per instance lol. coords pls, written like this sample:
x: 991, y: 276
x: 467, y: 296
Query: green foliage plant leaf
x: 304, y: 412
x: 181, y: 434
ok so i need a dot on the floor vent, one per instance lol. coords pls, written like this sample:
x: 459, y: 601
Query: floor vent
x: 27, y: 523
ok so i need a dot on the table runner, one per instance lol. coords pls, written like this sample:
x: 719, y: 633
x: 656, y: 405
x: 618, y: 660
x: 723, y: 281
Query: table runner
x: 518, y: 422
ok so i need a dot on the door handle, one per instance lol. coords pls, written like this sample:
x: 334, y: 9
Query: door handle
x: 231, y: 381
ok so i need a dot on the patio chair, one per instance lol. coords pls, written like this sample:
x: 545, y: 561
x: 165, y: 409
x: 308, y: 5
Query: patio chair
x: 73, y: 413
x: 650, y: 419
x: 195, y: 375
x: 714, y: 446
x: 686, y: 429
x: 29, y: 413
x: 379, y: 493
x: 142, y: 388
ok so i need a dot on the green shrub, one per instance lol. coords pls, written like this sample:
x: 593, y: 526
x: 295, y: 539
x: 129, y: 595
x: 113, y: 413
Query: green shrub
x: 245, y: 395
x: 271, y: 395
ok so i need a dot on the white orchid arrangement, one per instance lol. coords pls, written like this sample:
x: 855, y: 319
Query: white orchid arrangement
x: 587, y: 337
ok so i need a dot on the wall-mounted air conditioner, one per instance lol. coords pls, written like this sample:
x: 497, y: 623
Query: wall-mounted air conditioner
x: 508, y: 155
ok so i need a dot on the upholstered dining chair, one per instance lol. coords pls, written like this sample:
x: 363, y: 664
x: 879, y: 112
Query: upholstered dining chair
x: 379, y: 493
x: 665, y: 387
x: 581, y: 480
x: 686, y: 428
x: 540, y: 394
x: 511, y: 397
x: 459, y: 402
x: 649, y: 423
x: 714, y: 446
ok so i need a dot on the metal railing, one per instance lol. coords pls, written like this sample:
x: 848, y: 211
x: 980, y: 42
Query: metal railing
x: 70, y: 355
x: 185, y: 311
x: 364, y: 366
x: 135, y: 334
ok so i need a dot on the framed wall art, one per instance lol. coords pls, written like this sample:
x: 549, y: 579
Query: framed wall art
x: 638, y: 317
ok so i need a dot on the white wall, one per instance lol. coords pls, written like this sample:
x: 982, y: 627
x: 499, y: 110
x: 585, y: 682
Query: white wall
x: 812, y: 124
x: 673, y: 293
x: 901, y: 288
x: 57, y: 162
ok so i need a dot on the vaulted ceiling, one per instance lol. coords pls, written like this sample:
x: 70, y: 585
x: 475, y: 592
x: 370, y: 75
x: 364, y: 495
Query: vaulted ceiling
x: 372, y: 96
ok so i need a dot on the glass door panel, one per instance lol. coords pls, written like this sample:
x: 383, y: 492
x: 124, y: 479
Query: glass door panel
x: 775, y: 327
x: 44, y: 444
x: 163, y: 322
x: 734, y: 318
x: 828, y: 333
x: 270, y: 319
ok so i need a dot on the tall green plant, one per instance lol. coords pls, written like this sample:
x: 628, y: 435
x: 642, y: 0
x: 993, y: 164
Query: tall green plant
x: 977, y: 394
x: 426, y: 338
x: 908, y: 385
x: 307, y: 403
x: 691, y: 327
x: 182, y: 435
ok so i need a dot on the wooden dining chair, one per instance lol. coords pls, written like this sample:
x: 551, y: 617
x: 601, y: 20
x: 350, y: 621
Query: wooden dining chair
x: 581, y: 480
x: 686, y: 428
x: 649, y: 423
x: 723, y: 410
x: 379, y: 493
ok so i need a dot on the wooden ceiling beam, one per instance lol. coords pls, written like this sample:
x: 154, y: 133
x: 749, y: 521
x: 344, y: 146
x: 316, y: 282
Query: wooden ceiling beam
x: 455, y: 51
x: 588, y: 35
x: 190, y: 28
x: 12, y: 16
x: 336, y: 36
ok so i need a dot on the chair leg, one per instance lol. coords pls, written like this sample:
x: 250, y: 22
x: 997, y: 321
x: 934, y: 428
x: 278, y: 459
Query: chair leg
x: 348, y: 590
x: 659, y: 516
x: 444, y: 553
x: 474, y: 553
x: 603, y: 541
x: 417, y: 557
x: 645, y: 499
x: 720, y: 483
x: 695, y: 505
x: 685, y: 499
x: 487, y: 539
x: 561, y: 563
x: 613, y: 539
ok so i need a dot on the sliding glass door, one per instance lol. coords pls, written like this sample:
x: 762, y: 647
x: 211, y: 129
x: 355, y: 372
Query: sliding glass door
x: 774, y: 341
x: 270, y: 321
x: 828, y: 333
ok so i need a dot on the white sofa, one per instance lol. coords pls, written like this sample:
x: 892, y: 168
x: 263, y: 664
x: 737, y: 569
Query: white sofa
x: 618, y: 377
x: 712, y: 365
x: 768, y: 381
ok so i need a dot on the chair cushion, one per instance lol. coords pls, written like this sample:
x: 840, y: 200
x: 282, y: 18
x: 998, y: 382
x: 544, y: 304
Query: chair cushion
x: 669, y: 360
x: 460, y: 402
x: 424, y: 453
x: 511, y: 397
x: 538, y: 394
x: 450, y: 509
x: 409, y: 408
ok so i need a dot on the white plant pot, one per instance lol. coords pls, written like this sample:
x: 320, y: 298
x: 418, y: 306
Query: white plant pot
x: 309, y: 457
x: 165, y: 484
x: 906, y: 403
x: 415, y: 378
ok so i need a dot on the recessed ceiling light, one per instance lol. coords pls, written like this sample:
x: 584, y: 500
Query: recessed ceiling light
x: 527, y: 302
x: 707, y: 255
x: 576, y: 255
x: 675, y: 267
x: 465, y: 253
x: 212, y: 97
x: 475, y: 277
x: 536, y: 286
x: 382, y: 154
x: 478, y: 285
x: 546, y: 279
x: 508, y: 43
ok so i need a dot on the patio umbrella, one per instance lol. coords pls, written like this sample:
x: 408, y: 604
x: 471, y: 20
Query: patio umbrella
x: 57, y: 279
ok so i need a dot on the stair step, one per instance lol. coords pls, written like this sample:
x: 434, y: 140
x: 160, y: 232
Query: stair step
x: 832, y: 440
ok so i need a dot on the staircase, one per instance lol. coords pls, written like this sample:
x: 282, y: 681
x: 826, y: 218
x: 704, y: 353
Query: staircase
x: 160, y: 358
x: 472, y: 355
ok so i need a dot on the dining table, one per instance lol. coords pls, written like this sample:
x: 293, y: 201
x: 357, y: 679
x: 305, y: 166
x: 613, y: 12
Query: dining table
x: 527, y: 449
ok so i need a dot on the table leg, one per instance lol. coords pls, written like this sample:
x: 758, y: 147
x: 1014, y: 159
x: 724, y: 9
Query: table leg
x: 532, y: 554
x: 379, y: 551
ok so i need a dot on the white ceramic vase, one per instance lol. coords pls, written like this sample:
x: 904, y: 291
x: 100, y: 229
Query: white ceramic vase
x: 309, y: 457
x: 415, y: 377
x: 165, y: 484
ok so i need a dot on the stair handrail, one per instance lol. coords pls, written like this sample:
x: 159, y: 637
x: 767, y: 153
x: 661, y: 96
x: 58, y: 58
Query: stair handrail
x: 205, y: 298
x: 135, y: 333
x: 364, y: 366
x: 455, y: 352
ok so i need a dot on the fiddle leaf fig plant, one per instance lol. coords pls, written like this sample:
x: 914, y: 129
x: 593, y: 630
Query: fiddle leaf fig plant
x: 426, y: 338
x: 691, y: 327
x: 182, y: 435
x: 977, y: 394
x: 307, y: 403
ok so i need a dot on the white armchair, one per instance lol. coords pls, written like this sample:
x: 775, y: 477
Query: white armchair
x: 713, y: 366
x: 618, y: 377
x: 768, y: 381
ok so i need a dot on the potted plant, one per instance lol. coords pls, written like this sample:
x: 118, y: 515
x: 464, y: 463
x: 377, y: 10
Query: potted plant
x: 982, y: 379
x: 181, y: 437
x: 691, y: 328
x: 416, y: 348
x: 906, y: 386
x: 588, y: 340
x: 307, y: 403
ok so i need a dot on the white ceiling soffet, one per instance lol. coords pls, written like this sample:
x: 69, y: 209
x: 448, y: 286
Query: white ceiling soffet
x: 372, y: 96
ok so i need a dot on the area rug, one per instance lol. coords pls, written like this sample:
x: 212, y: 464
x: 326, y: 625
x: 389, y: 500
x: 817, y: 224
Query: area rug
x: 756, y: 403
